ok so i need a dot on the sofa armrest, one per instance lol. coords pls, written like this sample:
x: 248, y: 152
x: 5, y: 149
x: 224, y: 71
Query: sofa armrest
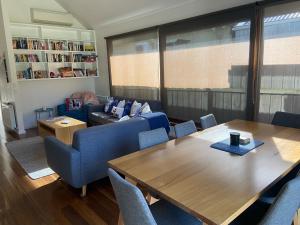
x: 61, y: 109
x: 64, y: 160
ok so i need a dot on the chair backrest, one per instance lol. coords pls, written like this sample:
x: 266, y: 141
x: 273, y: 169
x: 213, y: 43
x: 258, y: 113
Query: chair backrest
x: 208, y: 121
x: 286, y: 119
x: 133, y: 206
x: 184, y: 129
x: 152, y: 137
x: 283, y: 210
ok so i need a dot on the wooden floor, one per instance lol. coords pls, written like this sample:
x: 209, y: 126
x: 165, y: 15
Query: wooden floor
x: 48, y: 200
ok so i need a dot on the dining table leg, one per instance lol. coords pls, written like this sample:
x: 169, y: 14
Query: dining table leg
x: 297, y: 218
x: 120, y: 219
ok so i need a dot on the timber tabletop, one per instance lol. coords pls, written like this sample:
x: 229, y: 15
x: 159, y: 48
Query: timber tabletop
x: 213, y: 185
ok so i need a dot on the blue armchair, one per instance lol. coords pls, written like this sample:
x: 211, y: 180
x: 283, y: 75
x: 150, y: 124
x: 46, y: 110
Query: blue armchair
x: 81, y: 114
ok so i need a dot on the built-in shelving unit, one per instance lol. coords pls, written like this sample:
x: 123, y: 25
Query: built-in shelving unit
x: 48, y: 52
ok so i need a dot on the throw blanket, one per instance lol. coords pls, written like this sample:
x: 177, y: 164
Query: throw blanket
x: 87, y: 97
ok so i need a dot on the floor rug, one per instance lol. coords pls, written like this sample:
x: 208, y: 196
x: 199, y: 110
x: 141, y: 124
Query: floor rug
x: 30, y: 154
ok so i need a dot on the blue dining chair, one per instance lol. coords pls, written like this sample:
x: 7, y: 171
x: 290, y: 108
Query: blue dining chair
x: 208, y: 121
x: 286, y: 119
x: 152, y: 137
x: 135, y: 211
x: 281, y: 212
x: 185, y: 128
x: 270, y: 195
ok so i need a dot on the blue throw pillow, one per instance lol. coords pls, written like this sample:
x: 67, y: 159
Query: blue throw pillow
x: 114, y: 103
x: 127, y: 108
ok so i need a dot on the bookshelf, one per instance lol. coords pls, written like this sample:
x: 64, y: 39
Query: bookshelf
x: 47, y: 52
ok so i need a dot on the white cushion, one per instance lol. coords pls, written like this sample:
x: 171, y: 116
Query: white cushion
x: 121, y: 104
x: 135, y: 108
x: 146, y: 108
x: 117, y: 111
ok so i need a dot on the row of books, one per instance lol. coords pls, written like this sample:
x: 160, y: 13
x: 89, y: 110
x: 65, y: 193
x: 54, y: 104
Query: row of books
x: 37, y: 45
x: 73, y: 46
x: 20, y: 43
x: 63, y: 73
x: 84, y: 58
x: 58, y: 45
x: 26, y: 58
x: 58, y: 58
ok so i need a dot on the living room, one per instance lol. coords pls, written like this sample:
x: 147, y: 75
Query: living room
x: 149, y: 112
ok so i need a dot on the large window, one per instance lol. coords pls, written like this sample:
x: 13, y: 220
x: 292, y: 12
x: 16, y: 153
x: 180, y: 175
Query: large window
x: 134, y: 66
x: 239, y: 63
x: 280, y: 74
x: 206, y: 71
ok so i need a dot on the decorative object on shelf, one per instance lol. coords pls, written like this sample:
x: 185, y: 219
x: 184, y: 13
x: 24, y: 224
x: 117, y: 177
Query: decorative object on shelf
x: 65, y: 72
x: 40, y: 74
x: 47, y: 52
x: 78, y: 72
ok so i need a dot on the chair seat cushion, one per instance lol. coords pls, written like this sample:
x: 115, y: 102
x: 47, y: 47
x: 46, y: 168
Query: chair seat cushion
x: 253, y: 215
x: 165, y: 213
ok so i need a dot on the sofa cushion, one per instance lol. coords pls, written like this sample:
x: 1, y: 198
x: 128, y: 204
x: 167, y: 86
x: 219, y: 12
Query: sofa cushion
x: 73, y: 103
x: 155, y: 105
x: 127, y: 108
x: 145, y: 108
x: 117, y: 112
x: 121, y: 104
x: 135, y: 108
x: 107, y: 104
x: 114, y: 103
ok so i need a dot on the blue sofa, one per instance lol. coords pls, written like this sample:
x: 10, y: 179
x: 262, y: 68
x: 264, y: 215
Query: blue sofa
x: 86, y: 159
x: 97, y: 116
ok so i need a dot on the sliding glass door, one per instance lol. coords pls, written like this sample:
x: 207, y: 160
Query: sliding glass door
x: 280, y: 73
x: 206, y: 71
x: 134, y: 65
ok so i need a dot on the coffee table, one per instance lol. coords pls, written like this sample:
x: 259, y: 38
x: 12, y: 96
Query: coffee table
x: 62, y: 128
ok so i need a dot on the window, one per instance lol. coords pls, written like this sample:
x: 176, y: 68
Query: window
x: 280, y: 73
x: 134, y: 65
x: 206, y: 71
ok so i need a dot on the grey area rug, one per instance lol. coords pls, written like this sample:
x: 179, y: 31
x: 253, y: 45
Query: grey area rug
x: 30, y: 154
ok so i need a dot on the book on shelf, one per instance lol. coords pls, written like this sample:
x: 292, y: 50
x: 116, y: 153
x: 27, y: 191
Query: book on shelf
x: 89, y: 47
x: 27, y: 58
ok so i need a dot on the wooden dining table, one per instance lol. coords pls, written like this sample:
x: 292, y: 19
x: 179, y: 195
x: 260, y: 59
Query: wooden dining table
x: 213, y: 185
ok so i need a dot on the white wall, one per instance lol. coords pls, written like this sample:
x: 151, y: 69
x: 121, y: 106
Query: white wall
x: 173, y: 13
x: 37, y: 93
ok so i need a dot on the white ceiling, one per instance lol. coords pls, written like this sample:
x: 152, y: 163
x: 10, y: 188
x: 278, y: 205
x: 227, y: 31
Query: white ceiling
x: 97, y: 13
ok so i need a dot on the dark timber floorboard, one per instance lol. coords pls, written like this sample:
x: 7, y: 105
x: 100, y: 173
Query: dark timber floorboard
x: 49, y: 201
